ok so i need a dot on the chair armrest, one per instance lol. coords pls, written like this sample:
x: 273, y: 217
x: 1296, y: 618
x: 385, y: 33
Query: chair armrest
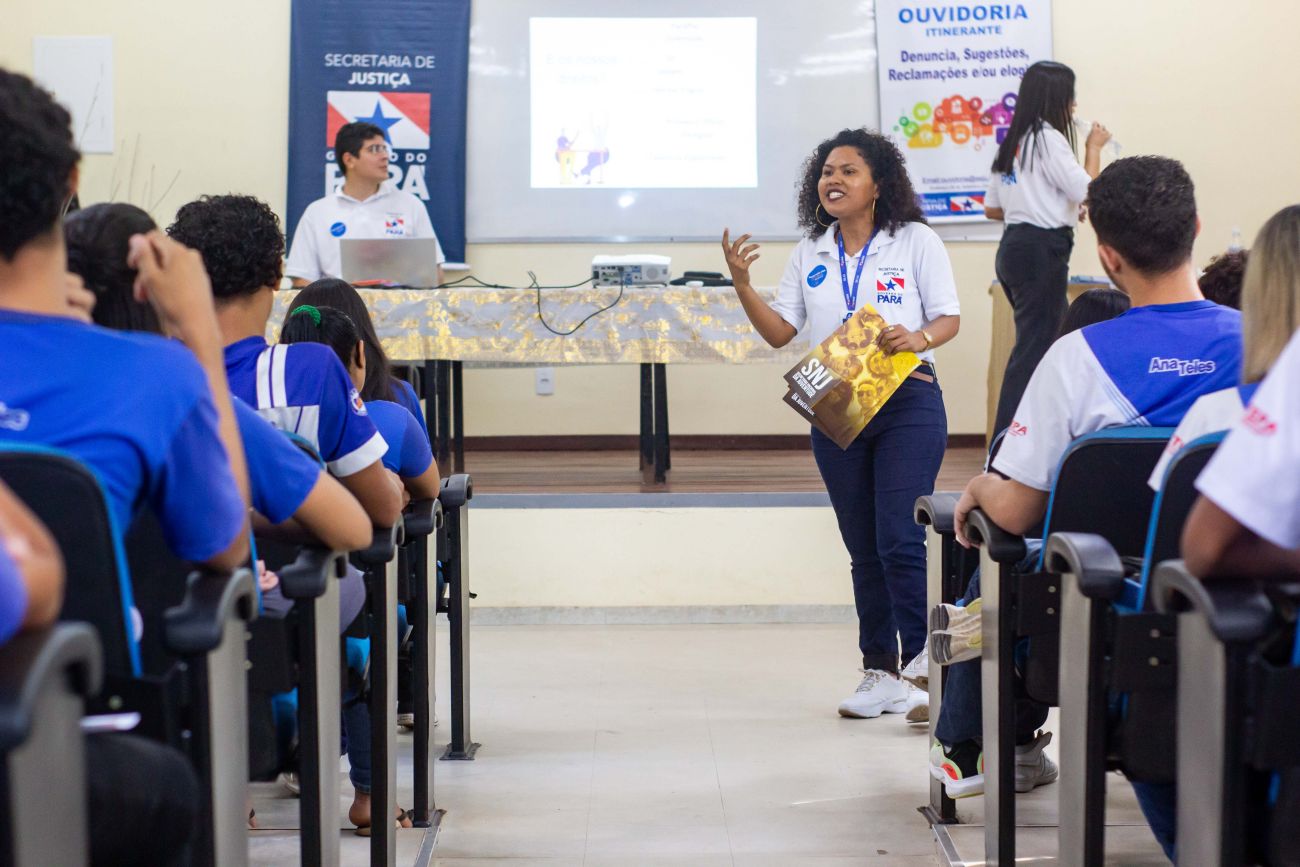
x: 1002, y: 546
x: 212, y: 599
x: 457, y: 490
x: 306, y: 576
x: 32, y: 659
x: 419, y: 518
x: 1090, y: 559
x: 1236, y: 611
x: 383, y: 547
x: 937, y: 510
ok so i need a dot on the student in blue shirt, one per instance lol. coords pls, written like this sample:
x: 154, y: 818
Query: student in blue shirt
x: 288, y: 489
x: 1144, y: 367
x: 305, y: 390
x: 409, y: 454
x: 99, y: 395
x: 380, y: 383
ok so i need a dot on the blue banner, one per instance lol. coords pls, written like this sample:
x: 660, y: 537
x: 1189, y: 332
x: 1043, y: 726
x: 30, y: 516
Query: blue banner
x: 402, y: 65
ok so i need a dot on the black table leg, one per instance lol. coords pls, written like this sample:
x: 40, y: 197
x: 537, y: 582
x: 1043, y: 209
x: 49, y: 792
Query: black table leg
x: 647, y: 419
x: 661, y: 458
x: 458, y: 415
x: 429, y: 390
x: 444, y: 413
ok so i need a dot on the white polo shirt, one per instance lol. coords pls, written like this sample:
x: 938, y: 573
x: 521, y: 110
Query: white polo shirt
x: 1144, y: 367
x: 1211, y: 413
x: 1047, y: 194
x: 907, y: 278
x: 389, y: 213
x: 1255, y: 474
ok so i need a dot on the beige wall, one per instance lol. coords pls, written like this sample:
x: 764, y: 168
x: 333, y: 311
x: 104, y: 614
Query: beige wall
x: 202, y: 89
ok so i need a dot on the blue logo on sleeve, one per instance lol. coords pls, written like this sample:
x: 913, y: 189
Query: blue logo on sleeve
x: 817, y: 275
x: 338, y: 229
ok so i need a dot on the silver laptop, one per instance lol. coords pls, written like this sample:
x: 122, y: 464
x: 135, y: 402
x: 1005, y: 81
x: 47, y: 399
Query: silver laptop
x: 403, y: 261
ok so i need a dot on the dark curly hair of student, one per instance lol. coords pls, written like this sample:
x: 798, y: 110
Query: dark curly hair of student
x: 1144, y: 208
x: 897, y: 203
x: 239, y: 238
x: 38, y: 155
x: 307, y: 323
x: 1221, y: 280
x: 98, y: 239
x: 341, y: 295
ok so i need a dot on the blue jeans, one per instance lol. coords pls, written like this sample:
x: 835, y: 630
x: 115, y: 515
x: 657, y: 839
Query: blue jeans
x: 356, y: 736
x: 1159, y: 803
x: 961, y: 718
x: 873, y: 485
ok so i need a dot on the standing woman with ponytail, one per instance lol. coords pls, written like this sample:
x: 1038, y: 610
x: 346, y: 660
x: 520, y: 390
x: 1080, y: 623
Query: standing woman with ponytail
x: 1037, y: 188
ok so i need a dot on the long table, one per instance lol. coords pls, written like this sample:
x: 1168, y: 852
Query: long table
x: 441, y: 329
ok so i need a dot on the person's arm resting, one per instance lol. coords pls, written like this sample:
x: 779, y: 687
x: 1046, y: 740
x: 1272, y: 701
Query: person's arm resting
x: 1216, y: 545
x: 1011, y: 505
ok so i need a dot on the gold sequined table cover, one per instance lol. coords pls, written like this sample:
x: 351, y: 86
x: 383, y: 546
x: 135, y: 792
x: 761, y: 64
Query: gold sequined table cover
x: 664, y: 325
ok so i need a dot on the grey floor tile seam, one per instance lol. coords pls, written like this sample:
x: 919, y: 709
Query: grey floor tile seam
x: 717, y: 775
x: 750, y: 500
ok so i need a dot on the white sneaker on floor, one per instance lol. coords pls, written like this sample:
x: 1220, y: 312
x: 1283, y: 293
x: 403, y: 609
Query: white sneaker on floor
x: 406, y: 721
x: 917, y: 671
x: 1033, y: 768
x: 289, y: 779
x: 918, y: 705
x: 879, y: 692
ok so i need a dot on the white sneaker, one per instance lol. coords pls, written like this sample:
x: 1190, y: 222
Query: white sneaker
x: 917, y: 671
x: 880, y: 692
x: 289, y: 779
x: 406, y: 721
x: 1033, y: 768
x: 918, y: 705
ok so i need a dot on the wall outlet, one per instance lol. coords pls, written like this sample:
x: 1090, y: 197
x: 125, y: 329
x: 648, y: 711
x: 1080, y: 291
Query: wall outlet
x: 545, y: 380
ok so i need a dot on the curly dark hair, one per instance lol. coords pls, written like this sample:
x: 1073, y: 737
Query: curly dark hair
x: 1221, y: 280
x: 897, y: 203
x: 1144, y: 208
x: 37, y: 154
x: 239, y: 238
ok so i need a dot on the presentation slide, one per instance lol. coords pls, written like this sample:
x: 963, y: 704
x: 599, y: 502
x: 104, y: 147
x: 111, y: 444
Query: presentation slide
x: 640, y: 103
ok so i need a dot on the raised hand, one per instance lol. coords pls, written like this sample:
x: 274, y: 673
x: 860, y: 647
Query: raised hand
x: 739, y: 256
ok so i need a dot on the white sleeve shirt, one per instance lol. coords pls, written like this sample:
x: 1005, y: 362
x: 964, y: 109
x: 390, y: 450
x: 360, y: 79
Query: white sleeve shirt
x: 1049, y: 191
x: 1255, y: 474
x: 1211, y: 413
x: 907, y: 278
x: 389, y: 213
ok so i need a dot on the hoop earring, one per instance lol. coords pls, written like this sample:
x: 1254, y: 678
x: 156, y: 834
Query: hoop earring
x: 817, y: 215
x: 873, y: 210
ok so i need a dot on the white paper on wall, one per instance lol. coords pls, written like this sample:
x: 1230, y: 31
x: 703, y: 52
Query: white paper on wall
x: 78, y: 70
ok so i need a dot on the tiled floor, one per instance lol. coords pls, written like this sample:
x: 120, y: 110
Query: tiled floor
x: 689, y: 746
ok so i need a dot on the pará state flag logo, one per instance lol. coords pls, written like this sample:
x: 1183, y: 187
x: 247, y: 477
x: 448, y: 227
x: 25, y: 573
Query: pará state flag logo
x: 404, y: 117
x: 891, y: 284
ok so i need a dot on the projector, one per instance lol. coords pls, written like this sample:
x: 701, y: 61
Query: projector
x: 637, y: 269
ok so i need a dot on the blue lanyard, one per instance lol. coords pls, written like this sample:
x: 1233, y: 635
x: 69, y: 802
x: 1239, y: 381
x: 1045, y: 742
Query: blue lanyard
x: 851, y: 294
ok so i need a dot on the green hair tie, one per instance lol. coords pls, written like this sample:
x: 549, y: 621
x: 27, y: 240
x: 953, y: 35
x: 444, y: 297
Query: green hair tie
x: 310, y: 311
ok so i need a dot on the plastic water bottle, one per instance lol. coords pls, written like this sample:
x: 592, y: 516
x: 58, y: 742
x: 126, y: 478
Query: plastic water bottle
x: 1083, y: 127
x: 1235, y: 246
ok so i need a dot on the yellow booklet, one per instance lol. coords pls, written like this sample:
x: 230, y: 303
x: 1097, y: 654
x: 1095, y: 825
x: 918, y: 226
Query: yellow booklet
x: 841, y: 385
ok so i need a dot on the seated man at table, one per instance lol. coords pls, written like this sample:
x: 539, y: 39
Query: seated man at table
x: 367, y: 205
x: 1144, y: 367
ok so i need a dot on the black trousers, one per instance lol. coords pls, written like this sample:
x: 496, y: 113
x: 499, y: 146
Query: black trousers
x: 1033, y: 266
x: 143, y: 802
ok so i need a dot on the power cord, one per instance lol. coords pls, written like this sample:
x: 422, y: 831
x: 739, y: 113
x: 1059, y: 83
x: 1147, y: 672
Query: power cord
x: 542, y: 318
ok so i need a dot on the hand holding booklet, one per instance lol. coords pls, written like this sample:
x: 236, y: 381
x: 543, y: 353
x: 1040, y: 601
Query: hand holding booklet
x: 841, y: 385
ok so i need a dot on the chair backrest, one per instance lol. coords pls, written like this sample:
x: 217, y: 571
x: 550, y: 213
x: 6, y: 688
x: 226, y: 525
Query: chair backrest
x: 1101, y: 486
x: 1171, y: 507
x: 69, y: 499
x: 158, y: 582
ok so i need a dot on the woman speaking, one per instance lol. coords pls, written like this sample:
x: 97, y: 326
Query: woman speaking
x: 1037, y: 187
x: 859, y: 214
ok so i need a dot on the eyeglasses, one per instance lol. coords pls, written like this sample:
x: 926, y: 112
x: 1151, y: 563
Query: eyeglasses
x: 376, y: 149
